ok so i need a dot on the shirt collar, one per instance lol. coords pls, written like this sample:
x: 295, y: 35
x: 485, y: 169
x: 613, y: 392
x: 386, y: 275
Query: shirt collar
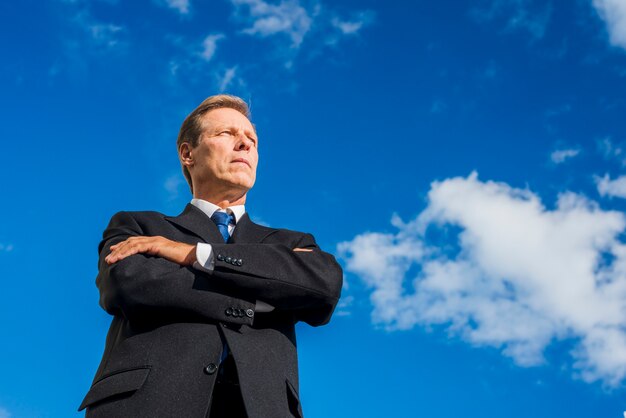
x: 209, y: 208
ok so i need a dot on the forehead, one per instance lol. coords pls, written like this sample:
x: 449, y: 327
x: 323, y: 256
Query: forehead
x: 226, y: 117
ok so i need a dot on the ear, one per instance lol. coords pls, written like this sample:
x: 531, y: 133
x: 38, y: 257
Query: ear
x: 185, y: 153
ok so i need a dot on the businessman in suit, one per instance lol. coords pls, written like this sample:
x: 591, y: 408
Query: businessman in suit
x: 204, y: 303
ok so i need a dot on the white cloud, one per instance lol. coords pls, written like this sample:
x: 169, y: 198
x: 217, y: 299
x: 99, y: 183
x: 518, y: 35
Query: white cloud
x: 518, y: 277
x: 559, y: 156
x: 289, y: 23
x: 105, y: 34
x: 611, y: 150
x: 7, y: 248
x: 344, y: 305
x: 613, y: 12
x: 182, y: 6
x: 227, y: 78
x: 209, y: 45
x: 611, y: 188
x: 288, y: 18
x: 100, y: 34
x: 353, y: 26
x: 4, y: 413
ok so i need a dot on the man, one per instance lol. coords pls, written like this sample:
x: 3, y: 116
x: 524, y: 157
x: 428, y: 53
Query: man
x: 204, y: 303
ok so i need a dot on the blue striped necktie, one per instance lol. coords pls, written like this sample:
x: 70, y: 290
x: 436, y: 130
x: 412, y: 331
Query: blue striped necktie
x: 222, y: 220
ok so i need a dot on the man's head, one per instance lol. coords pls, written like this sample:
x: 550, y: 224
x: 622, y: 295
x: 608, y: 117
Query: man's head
x: 217, y: 147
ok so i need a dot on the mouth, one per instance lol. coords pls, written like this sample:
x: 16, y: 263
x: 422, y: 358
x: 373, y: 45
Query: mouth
x: 242, y: 160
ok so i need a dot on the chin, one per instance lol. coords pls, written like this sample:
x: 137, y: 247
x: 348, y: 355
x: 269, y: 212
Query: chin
x: 243, y: 181
x: 243, y: 184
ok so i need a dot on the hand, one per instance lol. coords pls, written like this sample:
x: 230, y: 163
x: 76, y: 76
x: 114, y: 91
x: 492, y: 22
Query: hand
x: 177, y: 252
x: 308, y: 250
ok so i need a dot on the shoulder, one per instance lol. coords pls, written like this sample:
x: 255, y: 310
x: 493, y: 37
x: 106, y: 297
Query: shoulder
x: 283, y: 234
x: 140, y: 214
x: 136, y: 219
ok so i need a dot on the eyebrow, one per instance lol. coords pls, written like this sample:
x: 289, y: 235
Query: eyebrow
x: 232, y: 127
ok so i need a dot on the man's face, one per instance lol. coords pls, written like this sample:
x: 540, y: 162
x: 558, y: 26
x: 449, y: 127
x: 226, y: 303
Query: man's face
x: 226, y: 155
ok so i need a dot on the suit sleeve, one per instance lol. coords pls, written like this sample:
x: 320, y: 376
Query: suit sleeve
x: 149, y: 288
x: 308, y: 283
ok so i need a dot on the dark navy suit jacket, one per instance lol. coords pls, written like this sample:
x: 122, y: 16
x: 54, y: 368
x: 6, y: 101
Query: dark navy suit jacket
x: 169, y: 321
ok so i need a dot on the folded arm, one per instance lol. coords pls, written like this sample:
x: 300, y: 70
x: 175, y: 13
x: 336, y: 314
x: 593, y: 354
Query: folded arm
x: 303, y: 280
x: 142, y: 285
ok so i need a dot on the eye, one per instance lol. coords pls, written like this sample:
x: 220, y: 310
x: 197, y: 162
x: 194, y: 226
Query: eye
x: 225, y: 133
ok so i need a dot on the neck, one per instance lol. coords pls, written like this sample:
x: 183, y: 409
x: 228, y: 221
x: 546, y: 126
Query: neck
x: 223, y: 200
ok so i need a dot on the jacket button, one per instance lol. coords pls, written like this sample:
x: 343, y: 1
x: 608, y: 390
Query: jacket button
x: 229, y: 311
x: 240, y: 262
x: 228, y: 259
x: 250, y: 313
x: 210, y: 368
x: 239, y: 312
x: 220, y: 257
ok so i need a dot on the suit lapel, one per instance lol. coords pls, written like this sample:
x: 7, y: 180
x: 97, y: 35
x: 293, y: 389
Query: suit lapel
x: 247, y: 232
x: 195, y: 221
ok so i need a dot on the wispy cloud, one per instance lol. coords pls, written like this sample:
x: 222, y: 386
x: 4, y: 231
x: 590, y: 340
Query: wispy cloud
x: 196, y: 62
x: 287, y: 18
x: 100, y: 35
x: 4, y: 413
x: 526, y: 15
x: 492, y: 265
x: 344, y: 306
x: 5, y: 248
x: 227, y: 78
x: 291, y: 20
x: 559, y: 156
x: 353, y: 26
x: 209, y: 45
x: 173, y: 185
x: 105, y: 34
x: 611, y: 188
x: 181, y: 6
x: 613, y: 12
x: 611, y: 150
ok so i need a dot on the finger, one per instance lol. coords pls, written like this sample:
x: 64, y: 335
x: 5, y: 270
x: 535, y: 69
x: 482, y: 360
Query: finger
x: 136, y: 244
x: 121, y: 244
x: 127, y: 248
x: 116, y: 249
x: 308, y: 250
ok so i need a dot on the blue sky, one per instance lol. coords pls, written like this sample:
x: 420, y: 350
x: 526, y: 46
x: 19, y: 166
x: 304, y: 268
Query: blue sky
x: 465, y: 161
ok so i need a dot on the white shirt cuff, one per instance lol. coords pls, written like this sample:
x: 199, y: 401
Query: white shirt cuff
x: 263, y: 306
x: 204, y: 257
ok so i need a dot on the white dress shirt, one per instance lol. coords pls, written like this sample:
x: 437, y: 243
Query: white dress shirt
x: 204, y: 252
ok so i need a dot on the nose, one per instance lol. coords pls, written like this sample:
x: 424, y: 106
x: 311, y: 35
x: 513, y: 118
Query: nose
x: 244, y: 143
